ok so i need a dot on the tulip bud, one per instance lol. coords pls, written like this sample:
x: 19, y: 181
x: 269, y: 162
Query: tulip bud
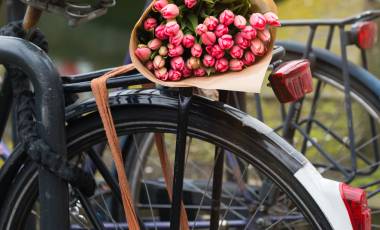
x: 161, y: 74
x: 208, y: 38
x: 249, y: 32
x: 248, y: 58
x: 158, y: 62
x: 258, y: 47
x: 241, y: 41
x: 200, y: 72
x: 236, y: 52
x: 177, y: 63
x: 149, y: 65
x: 154, y: 44
x: 174, y: 75
x: 272, y: 19
x: 188, y: 41
x: 221, y: 30
x: 240, y: 22
x: 226, y: 17
x: 159, y: 4
x: 221, y: 65
x: 236, y: 64
x: 208, y: 61
x: 190, y: 3
x: 143, y: 53
x: 258, y: 21
x: 175, y: 51
x: 163, y: 51
x: 264, y: 36
x: 170, y: 11
x: 176, y: 39
x: 171, y: 28
x: 225, y: 42
x: 215, y: 51
x: 211, y: 22
x: 193, y: 63
x: 186, y: 72
x: 150, y: 24
x: 201, y: 29
x: 160, y: 32
x: 196, y: 50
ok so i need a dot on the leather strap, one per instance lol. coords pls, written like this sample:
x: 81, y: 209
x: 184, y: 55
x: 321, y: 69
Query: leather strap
x: 99, y: 89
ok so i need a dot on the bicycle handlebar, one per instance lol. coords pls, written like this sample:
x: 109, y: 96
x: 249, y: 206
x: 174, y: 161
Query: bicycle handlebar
x: 365, y: 16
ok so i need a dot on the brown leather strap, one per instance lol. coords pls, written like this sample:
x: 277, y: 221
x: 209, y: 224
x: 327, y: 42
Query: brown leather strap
x: 99, y: 89
x: 168, y: 175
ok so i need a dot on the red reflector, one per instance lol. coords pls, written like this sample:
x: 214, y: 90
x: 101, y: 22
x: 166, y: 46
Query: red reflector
x: 357, y: 206
x: 292, y: 80
x: 365, y: 34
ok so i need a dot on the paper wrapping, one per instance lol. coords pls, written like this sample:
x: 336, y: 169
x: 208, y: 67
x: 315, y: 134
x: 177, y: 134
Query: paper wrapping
x: 250, y: 79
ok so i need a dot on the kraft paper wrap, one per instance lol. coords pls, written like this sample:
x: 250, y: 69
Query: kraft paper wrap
x: 249, y: 79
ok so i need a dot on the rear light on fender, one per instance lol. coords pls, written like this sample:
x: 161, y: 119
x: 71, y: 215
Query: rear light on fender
x: 357, y: 207
x: 291, y: 80
x: 364, y: 34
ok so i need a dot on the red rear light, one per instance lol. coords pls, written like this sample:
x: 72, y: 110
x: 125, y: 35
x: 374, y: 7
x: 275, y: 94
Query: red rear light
x: 357, y: 206
x: 292, y: 80
x: 364, y: 34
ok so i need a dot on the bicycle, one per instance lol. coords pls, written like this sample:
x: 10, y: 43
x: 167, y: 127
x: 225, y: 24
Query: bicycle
x: 275, y: 163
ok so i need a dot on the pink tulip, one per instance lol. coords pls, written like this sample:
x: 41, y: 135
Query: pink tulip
x: 221, y: 30
x: 193, y: 63
x: 225, y: 42
x: 215, y: 51
x: 201, y: 29
x: 236, y: 52
x: 176, y: 39
x: 188, y: 41
x: 150, y: 24
x: 236, y: 64
x: 272, y: 19
x: 174, y: 75
x: 177, y: 63
x: 226, y: 17
x: 175, y: 51
x: 264, y: 36
x: 248, y: 58
x: 240, y: 22
x: 258, y: 47
x: 249, y: 32
x: 160, y: 32
x: 211, y: 22
x: 154, y: 44
x: 208, y: 38
x: 241, y: 41
x: 143, y: 53
x: 258, y: 21
x: 208, y: 61
x: 158, y: 62
x: 200, y: 72
x: 186, y: 72
x: 221, y: 65
x: 196, y: 50
x: 159, y: 4
x: 171, y: 28
x: 149, y: 65
x: 162, y: 74
x: 190, y: 3
x: 170, y: 11
x: 163, y: 51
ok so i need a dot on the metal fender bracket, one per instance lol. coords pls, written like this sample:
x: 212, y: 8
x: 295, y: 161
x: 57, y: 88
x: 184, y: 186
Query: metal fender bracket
x: 291, y: 80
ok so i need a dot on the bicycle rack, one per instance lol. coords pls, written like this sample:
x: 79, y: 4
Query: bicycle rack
x: 54, y: 202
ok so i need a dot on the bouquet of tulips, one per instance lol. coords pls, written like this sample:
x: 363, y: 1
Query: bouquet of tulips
x: 178, y: 39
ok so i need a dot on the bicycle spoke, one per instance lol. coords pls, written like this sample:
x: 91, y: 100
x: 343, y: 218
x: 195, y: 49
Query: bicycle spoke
x: 281, y: 219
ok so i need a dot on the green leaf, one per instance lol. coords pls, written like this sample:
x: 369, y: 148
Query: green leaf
x: 193, y: 20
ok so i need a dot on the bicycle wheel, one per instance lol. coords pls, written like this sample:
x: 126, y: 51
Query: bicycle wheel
x: 266, y: 195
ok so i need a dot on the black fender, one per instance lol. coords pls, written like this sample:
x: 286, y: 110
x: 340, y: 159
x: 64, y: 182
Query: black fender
x: 357, y: 73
